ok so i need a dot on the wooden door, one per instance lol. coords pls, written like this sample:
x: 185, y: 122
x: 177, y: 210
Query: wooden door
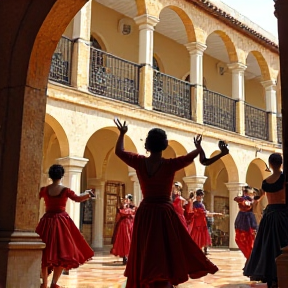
x: 113, y: 192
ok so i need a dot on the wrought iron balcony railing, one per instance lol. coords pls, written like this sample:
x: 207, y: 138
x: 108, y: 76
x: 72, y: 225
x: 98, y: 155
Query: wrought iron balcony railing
x: 279, y: 129
x: 113, y: 77
x: 256, y: 122
x: 60, y: 69
x: 171, y: 95
x: 219, y: 110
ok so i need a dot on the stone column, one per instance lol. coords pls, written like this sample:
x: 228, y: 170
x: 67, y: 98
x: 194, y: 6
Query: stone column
x: 238, y: 93
x: 81, y: 48
x: 98, y: 211
x: 146, y: 25
x: 196, y: 50
x: 194, y: 182
x: 235, y: 189
x: 271, y: 108
x: 136, y: 187
x: 72, y: 178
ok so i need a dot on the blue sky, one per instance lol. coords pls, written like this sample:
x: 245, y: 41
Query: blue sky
x: 260, y: 12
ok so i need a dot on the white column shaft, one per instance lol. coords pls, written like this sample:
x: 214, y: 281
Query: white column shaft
x: 72, y: 179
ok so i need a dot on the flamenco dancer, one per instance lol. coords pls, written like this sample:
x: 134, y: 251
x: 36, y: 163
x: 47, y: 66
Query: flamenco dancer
x: 272, y: 234
x: 245, y: 222
x: 178, y: 202
x: 65, y: 246
x: 162, y: 252
x: 199, y: 232
x: 122, y: 234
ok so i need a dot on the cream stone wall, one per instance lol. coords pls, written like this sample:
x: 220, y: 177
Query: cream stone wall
x: 255, y: 93
x: 104, y: 23
x: 214, y: 81
x: 174, y: 56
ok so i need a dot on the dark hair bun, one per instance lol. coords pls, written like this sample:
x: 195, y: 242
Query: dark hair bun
x: 199, y: 192
x: 156, y: 140
x: 56, y: 172
x: 275, y: 159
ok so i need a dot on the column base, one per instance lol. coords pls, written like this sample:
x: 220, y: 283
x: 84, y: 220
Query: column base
x: 20, y: 254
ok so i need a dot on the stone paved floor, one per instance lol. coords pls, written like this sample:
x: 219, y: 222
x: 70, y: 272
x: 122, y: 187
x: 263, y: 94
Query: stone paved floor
x: 106, y: 271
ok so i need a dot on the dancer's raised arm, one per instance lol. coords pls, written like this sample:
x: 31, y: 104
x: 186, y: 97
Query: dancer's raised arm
x: 208, y: 161
x: 123, y: 128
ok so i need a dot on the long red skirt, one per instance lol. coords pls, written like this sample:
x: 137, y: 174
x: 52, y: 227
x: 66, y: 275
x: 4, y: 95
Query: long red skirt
x: 162, y: 249
x: 122, y: 237
x: 245, y: 241
x: 199, y: 232
x: 65, y: 246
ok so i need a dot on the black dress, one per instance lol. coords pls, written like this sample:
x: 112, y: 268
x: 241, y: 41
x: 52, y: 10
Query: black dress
x: 272, y: 235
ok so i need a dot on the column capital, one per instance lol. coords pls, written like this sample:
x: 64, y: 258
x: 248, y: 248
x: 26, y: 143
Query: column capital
x: 196, y: 47
x: 147, y: 20
x: 234, y: 186
x: 237, y: 66
x: 94, y: 182
x: 194, y: 180
x: 269, y: 84
x: 74, y: 163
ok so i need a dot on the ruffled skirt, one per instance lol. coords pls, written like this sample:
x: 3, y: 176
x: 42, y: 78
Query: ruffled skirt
x: 65, y: 246
x: 162, y: 249
x: 122, y: 238
x: 272, y: 235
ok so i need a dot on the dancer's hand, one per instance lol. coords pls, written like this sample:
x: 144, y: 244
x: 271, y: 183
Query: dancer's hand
x: 197, y: 142
x: 223, y: 146
x: 122, y: 128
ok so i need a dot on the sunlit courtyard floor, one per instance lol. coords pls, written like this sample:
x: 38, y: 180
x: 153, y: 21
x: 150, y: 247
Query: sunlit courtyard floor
x: 106, y: 271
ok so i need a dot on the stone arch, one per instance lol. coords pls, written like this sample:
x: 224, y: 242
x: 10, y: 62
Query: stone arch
x: 188, y: 24
x: 102, y: 150
x: 257, y: 166
x: 230, y: 165
x: 47, y: 39
x: 263, y: 65
x: 179, y: 151
x: 99, y: 39
x: 60, y: 134
x: 256, y: 173
x: 159, y: 62
x: 230, y: 46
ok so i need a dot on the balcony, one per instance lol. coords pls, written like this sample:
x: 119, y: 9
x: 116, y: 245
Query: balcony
x: 61, y: 63
x: 256, y: 122
x: 219, y: 110
x: 116, y: 78
x: 113, y: 77
x: 171, y: 95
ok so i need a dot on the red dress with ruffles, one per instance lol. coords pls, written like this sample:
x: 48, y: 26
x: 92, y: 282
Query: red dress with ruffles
x: 65, y: 246
x: 161, y: 248
x: 122, y: 235
x: 199, y: 232
x: 177, y: 203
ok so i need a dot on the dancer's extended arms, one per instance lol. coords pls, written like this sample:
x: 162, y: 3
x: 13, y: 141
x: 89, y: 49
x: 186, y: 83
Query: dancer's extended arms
x: 120, y: 142
x: 208, y: 161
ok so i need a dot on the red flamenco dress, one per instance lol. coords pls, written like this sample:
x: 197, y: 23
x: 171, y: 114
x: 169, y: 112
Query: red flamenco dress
x: 245, y: 225
x: 177, y: 203
x: 122, y: 235
x: 200, y: 233
x: 65, y: 246
x: 161, y: 248
x: 189, y: 215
